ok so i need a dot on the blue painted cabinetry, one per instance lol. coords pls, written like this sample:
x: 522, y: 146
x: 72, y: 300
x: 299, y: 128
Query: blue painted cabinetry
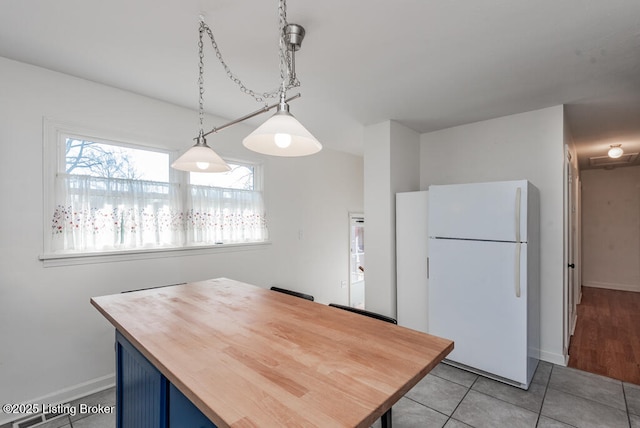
x: 184, y: 414
x: 146, y: 399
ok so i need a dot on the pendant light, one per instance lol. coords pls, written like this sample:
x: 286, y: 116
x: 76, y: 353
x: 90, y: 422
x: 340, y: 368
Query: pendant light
x: 281, y: 134
x: 201, y: 157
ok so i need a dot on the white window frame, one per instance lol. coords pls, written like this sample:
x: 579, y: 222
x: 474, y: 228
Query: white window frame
x: 54, y: 157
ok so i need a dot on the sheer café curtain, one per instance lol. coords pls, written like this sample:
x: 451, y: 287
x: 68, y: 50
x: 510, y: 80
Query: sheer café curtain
x: 103, y: 214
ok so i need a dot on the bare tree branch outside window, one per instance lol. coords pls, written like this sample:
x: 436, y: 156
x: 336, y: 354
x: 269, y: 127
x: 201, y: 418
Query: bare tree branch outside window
x: 98, y: 160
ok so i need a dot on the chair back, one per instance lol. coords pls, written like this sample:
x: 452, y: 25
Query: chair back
x: 293, y: 293
x: 365, y: 313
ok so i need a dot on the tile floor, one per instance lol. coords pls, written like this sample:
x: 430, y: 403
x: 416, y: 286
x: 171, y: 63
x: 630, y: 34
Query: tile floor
x: 448, y: 397
x: 558, y: 397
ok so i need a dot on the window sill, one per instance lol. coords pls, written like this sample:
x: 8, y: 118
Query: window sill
x: 70, y: 259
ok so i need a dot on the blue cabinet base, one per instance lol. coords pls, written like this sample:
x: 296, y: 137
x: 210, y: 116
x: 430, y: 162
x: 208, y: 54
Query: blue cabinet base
x: 146, y: 399
x: 183, y: 413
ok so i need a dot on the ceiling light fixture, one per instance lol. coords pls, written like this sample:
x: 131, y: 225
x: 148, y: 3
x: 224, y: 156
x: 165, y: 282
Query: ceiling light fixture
x: 615, y: 151
x: 280, y: 135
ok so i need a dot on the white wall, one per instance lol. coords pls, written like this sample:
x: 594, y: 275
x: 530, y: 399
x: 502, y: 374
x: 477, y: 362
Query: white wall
x: 391, y: 165
x: 611, y: 228
x: 523, y: 146
x: 53, y: 343
x: 309, y: 201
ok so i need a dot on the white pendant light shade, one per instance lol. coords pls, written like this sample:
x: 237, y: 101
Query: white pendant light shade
x: 200, y: 158
x: 615, y: 151
x: 282, y: 135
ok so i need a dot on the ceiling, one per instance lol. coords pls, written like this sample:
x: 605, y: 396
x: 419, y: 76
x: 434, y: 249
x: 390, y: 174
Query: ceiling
x: 426, y: 64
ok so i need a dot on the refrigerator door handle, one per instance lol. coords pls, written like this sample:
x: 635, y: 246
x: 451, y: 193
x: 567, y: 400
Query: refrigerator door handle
x: 427, y: 267
x: 517, y: 270
x: 517, y: 261
x: 518, y: 197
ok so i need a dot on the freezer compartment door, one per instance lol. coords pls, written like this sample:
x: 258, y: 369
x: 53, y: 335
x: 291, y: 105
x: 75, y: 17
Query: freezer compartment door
x: 478, y: 299
x: 483, y: 211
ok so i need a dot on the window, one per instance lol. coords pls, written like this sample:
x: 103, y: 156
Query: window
x: 226, y: 207
x: 240, y: 177
x: 114, y: 196
x: 105, y: 160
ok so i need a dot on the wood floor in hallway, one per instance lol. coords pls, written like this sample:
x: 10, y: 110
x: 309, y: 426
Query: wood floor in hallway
x: 607, y: 335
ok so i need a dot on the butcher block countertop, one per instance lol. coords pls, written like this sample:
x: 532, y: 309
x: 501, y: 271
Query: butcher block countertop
x: 252, y: 357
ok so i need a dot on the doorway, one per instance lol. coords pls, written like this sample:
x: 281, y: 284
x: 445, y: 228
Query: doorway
x: 573, y: 265
x: 356, y: 260
x: 606, y: 339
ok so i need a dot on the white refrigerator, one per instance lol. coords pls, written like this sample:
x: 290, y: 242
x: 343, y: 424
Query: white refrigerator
x: 412, y: 239
x: 484, y: 276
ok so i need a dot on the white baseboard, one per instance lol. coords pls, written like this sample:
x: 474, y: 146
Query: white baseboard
x: 613, y: 286
x: 553, y: 358
x: 67, y: 394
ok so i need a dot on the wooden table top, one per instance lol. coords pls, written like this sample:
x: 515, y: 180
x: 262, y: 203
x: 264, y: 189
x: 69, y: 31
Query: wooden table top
x: 252, y: 357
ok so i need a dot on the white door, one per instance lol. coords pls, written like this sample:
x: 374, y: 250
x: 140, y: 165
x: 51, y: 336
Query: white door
x: 356, y: 261
x: 484, y: 211
x: 473, y: 300
x: 572, y: 278
x: 578, y: 243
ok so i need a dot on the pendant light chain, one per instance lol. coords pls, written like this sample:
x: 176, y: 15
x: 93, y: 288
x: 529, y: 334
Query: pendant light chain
x: 288, y: 79
x: 201, y: 78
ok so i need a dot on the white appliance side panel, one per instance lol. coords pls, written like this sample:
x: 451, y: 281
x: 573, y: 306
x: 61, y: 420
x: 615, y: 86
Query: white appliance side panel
x: 472, y: 301
x: 412, y: 241
x: 482, y: 211
x: 533, y: 280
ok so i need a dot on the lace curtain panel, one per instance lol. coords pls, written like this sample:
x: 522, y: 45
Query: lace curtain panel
x: 225, y: 215
x: 102, y: 214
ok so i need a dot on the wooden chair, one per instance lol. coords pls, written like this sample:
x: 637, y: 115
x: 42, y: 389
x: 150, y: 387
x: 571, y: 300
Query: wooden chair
x: 293, y: 293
